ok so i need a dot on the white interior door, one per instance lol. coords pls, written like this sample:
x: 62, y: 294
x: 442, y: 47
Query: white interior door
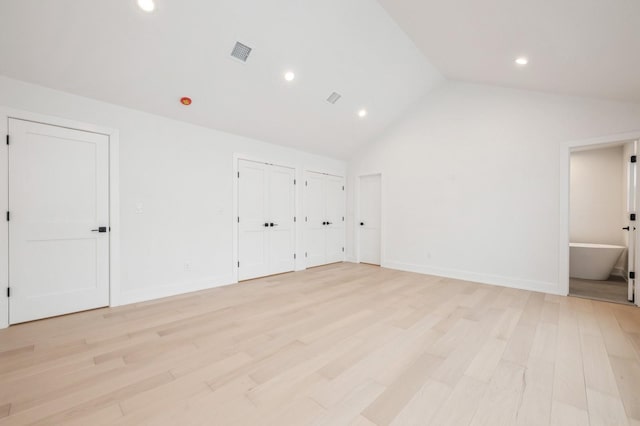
x: 253, y: 222
x: 370, y: 218
x: 315, y: 219
x: 334, y: 213
x: 632, y: 190
x: 281, y: 199
x: 58, y: 194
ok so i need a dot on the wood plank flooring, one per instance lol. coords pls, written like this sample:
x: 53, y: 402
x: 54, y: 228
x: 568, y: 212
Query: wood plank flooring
x: 343, y: 344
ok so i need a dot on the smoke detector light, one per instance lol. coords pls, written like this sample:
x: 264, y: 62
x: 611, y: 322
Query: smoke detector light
x: 289, y: 76
x: 362, y: 113
x: 186, y: 101
x: 147, y: 5
x: 522, y: 61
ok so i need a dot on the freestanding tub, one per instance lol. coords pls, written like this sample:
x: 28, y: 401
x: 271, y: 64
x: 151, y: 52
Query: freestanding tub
x: 593, y: 261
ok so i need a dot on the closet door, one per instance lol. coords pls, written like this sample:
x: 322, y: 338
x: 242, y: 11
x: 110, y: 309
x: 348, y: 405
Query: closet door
x: 281, y: 201
x: 334, y: 214
x: 253, y: 226
x: 314, y: 207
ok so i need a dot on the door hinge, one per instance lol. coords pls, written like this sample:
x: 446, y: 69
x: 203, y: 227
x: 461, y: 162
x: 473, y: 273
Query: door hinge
x: 294, y: 255
x: 343, y: 249
x: 7, y: 139
x: 294, y: 219
x: 8, y: 216
x: 632, y: 275
x: 238, y: 174
x: 632, y: 216
x: 634, y: 158
x: 306, y: 183
x: 343, y: 187
x: 343, y: 218
x: 8, y: 291
x: 305, y: 254
x: 294, y: 181
x: 305, y: 219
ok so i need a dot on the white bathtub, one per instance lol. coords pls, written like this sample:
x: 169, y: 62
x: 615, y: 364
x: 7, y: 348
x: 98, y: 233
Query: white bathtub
x: 593, y: 261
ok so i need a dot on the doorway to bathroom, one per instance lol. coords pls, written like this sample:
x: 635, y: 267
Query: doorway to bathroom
x: 602, y: 221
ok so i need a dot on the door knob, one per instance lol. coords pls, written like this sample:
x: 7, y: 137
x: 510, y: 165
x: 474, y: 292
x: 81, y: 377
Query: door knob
x: 361, y: 223
x: 100, y: 229
x: 324, y: 223
x: 266, y: 225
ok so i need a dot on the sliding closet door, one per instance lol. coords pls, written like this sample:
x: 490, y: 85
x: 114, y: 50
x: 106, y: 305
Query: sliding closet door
x: 253, y: 229
x: 281, y: 201
x: 334, y: 213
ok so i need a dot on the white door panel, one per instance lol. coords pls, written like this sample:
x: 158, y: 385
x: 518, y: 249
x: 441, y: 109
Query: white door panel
x: 324, y: 214
x: 370, y: 218
x: 266, y: 206
x: 282, y: 208
x: 58, y: 193
x: 335, y: 217
x: 314, y: 219
x: 252, y: 212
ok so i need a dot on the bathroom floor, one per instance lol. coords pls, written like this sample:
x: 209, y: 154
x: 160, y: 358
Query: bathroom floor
x: 612, y: 290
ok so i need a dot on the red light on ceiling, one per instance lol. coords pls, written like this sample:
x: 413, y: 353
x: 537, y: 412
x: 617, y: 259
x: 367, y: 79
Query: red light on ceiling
x: 185, y: 101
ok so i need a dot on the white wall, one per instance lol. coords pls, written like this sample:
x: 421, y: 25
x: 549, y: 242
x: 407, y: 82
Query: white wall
x: 182, y: 175
x: 471, y: 181
x: 596, y: 201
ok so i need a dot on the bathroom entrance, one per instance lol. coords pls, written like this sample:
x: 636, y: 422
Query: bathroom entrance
x: 602, y: 221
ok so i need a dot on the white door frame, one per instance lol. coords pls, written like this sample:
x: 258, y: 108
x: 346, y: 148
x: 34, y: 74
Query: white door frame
x: 565, y: 184
x: 114, y: 199
x: 356, y: 223
x: 236, y: 229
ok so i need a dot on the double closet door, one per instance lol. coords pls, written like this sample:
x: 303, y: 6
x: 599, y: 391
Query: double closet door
x: 266, y: 223
x: 324, y: 218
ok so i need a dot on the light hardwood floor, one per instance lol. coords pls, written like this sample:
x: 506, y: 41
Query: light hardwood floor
x: 343, y: 344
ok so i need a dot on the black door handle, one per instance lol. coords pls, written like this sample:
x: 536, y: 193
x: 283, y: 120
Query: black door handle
x: 324, y: 223
x: 266, y: 225
x: 273, y: 224
x: 361, y: 223
x: 100, y: 229
x: 329, y: 223
x: 626, y: 228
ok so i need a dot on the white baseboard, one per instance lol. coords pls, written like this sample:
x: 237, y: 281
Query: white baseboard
x: 498, y: 280
x: 147, y: 294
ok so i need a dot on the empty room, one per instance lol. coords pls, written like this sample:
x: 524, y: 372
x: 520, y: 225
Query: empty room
x: 338, y: 212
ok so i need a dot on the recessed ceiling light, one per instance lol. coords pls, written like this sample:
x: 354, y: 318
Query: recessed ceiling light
x: 289, y: 76
x: 522, y: 61
x: 147, y: 5
x: 362, y: 113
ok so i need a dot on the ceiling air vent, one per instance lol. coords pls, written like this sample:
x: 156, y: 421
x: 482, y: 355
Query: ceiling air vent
x: 334, y: 97
x: 241, y: 52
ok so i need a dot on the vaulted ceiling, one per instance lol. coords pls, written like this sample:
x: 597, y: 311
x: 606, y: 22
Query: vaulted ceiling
x: 380, y: 55
x: 113, y: 51
x: 578, y: 47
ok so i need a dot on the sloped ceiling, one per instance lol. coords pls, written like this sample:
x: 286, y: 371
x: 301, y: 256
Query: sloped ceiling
x: 578, y: 47
x: 115, y: 52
